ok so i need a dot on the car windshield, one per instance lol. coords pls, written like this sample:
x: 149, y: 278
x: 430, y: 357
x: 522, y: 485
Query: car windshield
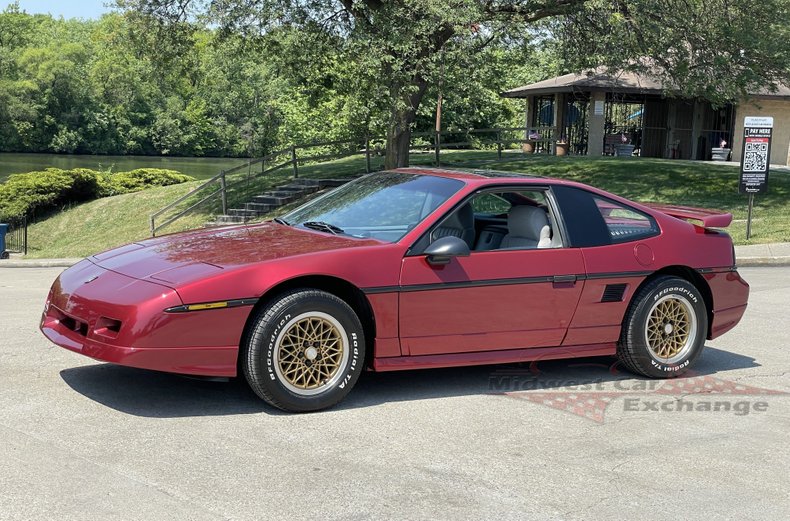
x: 383, y: 206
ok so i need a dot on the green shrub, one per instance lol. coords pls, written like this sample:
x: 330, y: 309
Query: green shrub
x: 142, y: 178
x: 23, y: 194
x: 50, y: 189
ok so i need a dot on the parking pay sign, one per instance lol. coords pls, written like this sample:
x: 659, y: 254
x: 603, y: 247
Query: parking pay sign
x: 755, y: 155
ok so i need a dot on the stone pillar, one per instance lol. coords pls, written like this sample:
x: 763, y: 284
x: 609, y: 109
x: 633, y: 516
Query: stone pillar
x: 696, y: 128
x: 559, y: 119
x: 672, y: 108
x: 559, y: 114
x: 595, y: 122
x: 741, y: 110
x: 529, y: 112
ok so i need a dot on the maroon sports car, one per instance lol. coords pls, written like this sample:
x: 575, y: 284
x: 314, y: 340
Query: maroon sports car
x: 412, y: 268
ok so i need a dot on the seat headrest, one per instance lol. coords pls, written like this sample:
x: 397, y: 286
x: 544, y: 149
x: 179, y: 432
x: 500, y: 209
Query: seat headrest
x: 527, y: 222
x: 461, y: 219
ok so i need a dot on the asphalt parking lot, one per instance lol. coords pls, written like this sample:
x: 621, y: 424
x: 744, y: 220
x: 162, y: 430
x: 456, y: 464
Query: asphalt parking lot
x: 577, y: 439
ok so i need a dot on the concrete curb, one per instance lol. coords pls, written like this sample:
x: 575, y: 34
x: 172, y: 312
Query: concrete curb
x: 753, y: 262
x: 38, y: 263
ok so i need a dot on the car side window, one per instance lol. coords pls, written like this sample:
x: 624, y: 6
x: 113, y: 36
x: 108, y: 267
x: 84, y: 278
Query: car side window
x: 514, y: 220
x: 592, y: 220
x: 499, y: 220
x: 489, y: 203
x: 625, y: 223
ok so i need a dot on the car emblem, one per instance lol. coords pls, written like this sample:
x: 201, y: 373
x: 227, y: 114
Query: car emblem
x: 91, y: 279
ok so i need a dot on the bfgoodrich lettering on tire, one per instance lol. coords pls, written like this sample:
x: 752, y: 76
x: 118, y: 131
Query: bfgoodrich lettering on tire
x: 304, y: 351
x: 664, y: 329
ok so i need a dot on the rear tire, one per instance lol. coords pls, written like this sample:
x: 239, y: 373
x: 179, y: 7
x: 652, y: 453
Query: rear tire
x: 304, y: 351
x: 664, y: 329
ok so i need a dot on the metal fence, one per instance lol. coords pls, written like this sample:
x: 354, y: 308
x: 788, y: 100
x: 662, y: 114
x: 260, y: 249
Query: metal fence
x: 16, y: 236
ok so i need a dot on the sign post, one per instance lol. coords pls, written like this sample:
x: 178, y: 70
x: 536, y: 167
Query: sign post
x: 755, y: 161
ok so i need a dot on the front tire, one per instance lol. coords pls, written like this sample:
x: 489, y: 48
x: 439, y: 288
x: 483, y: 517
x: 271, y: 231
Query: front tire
x: 665, y: 328
x: 304, y: 351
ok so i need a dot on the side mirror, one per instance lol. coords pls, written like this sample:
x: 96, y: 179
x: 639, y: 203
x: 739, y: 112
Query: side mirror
x: 442, y: 250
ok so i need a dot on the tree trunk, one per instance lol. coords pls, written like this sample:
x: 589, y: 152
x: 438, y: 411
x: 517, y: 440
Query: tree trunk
x: 399, y: 129
x: 398, y: 140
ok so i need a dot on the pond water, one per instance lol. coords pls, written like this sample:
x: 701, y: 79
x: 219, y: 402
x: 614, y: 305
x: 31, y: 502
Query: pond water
x: 197, y: 167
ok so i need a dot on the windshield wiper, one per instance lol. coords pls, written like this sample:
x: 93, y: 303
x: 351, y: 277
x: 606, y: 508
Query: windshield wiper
x: 323, y: 226
x: 281, y: 221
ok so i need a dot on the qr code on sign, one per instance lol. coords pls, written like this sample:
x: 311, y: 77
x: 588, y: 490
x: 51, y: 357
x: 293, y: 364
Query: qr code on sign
x: 756, y: 157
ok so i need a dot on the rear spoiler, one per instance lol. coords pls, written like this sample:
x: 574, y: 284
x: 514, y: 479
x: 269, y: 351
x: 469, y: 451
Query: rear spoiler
x: 708, y: 218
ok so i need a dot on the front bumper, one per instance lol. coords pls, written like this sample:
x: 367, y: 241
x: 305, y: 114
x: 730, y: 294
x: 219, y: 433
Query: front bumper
x: 86, y: 297
x: 203, y: 361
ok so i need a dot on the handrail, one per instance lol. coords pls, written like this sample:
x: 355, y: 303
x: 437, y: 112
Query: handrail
x: 175, y: 217
x: 186, y: 196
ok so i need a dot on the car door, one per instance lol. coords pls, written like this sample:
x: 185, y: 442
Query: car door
x: 490, y: 300
x: 617, y: 243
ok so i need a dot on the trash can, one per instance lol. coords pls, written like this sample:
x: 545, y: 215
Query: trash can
x: 3, y: 231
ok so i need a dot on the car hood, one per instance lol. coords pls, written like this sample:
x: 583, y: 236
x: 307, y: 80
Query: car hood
x: 180, y: 258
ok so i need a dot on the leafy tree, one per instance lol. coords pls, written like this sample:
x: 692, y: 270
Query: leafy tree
x: 401, y: 47
x: 719, y: 50
x: 244, y: 77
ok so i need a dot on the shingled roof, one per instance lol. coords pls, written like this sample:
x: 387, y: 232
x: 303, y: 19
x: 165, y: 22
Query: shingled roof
x: 622, y: 82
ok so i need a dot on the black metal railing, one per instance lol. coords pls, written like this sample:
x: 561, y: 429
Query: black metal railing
x: 16, y: 235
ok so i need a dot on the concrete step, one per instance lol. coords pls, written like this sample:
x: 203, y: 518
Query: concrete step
x: 260, y: 207
x: 243, y: 212
x: 305, y: 182
x: 283, y: 193
x: 332, y: 183
x: 272, y: 200
x: 283, y: 197
x: 296, y: 188
x: 228, y: 219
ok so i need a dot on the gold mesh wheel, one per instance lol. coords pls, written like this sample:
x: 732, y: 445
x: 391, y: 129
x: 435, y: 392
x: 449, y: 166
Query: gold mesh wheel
x: 309, y: 353
x: 671, y: 328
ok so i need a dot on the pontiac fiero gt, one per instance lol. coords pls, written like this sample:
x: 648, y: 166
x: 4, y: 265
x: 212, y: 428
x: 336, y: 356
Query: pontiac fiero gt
x: 405, y: 269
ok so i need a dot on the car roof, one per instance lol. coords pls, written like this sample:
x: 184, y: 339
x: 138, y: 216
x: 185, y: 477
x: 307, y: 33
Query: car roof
x: 464, y: 174
x: 481, y: 178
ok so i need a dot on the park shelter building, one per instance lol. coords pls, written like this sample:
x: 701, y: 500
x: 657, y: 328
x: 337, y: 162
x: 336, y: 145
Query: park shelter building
x: 599, y: 110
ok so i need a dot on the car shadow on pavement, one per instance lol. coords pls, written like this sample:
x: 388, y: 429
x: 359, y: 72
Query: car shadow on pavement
x: 161, y: 395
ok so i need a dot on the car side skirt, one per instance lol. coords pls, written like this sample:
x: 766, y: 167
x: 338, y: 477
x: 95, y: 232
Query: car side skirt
x: 508, y: 356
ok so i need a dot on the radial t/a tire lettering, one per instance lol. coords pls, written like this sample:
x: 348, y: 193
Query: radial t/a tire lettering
x: 304, y: 351
x: 664, y: 329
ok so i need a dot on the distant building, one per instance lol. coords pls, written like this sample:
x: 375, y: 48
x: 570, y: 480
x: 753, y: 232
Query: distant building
x: 599, y: 111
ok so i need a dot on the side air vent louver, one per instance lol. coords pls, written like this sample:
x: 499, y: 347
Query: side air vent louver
x: 613, y: 293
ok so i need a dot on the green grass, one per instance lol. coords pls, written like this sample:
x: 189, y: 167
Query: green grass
x: 95, y: 226
x: 109, y: 222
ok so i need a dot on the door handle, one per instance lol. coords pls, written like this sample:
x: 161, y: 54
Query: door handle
x: 564, y: 281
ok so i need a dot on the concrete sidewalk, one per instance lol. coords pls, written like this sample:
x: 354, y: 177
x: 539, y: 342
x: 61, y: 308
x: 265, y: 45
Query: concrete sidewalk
x: 776, y: 254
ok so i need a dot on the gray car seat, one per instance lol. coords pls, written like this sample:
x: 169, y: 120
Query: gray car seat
x: 460, y: 224
x: 528, y: 227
